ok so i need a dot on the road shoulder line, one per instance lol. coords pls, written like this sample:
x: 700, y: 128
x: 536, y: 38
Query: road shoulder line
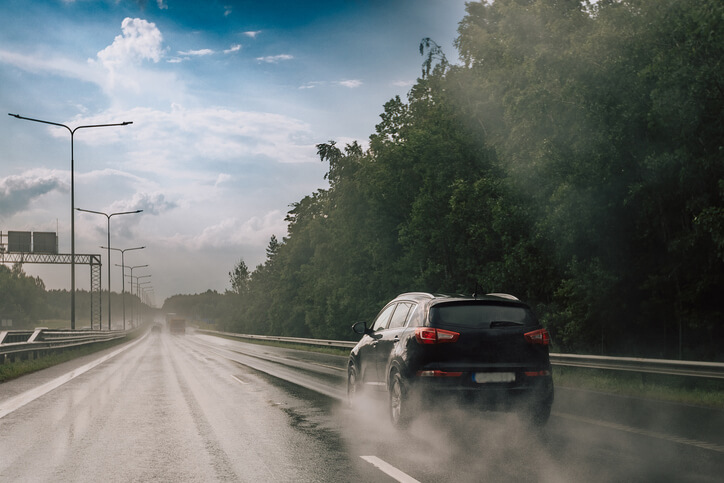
x: 16, y: 402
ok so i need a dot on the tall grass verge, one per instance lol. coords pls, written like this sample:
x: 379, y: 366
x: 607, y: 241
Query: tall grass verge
x: 695, y: 391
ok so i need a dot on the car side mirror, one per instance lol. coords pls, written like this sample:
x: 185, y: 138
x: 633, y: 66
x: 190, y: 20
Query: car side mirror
x: 360, y: 328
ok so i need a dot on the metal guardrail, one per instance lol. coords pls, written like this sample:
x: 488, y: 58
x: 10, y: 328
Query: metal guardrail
x: 713, y: 370
x: 31, y: 343
x: 337, y: 344
x: 23, y: 343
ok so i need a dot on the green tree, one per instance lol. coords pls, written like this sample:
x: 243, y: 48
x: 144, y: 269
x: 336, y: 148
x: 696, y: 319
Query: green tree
x: 239, y: 278
x: 573, y: 158
x: 21, y: 296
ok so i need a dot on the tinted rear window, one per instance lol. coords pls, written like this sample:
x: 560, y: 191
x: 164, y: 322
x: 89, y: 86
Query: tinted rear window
x: 481, y: 315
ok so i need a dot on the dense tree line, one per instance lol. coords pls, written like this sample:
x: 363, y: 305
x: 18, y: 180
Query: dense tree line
x: 574, y: 157
x: 20, y: 296
x: 25, y: 301
x: 208, y: 307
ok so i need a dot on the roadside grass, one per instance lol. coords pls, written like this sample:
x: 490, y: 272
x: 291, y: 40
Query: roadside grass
x: 54, y: 323
x: 678, y: 389
x: 12, y: 370
x: 63, y: 323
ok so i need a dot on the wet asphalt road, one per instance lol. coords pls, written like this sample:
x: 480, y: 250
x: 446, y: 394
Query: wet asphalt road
x: 163, y: 411
x: 200, y: 408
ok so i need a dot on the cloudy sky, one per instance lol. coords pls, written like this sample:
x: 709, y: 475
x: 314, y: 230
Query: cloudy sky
x: 227, y: 100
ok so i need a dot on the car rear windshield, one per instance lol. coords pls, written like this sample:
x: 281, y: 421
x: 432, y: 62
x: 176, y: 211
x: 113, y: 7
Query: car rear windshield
x: 481, y: 315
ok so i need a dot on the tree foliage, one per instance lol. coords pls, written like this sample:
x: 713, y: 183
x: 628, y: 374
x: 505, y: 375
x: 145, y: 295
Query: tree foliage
x: 573, y: 158
x: 21, y: 296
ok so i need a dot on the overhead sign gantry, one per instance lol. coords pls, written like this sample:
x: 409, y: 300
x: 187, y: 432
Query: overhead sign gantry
x: 42, y: 247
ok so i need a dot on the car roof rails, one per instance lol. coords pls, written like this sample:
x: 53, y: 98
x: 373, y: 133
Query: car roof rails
x: 503, y: 296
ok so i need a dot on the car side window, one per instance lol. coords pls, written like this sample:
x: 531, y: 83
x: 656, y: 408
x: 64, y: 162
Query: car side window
x: 383, y: 318
x: 410, y: 315
x: 400, y: 316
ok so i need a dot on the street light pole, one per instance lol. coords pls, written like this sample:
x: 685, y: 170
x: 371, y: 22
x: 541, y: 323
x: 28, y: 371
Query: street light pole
x: 138, y: 294
x: 109, y: 254
x: 131, y: 268
x: 147, y: 294
x: 123, y: 277
x: 72, y: 201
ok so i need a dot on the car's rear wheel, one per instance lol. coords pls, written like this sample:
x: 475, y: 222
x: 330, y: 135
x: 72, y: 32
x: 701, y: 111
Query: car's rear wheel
x: 353, y: 385
x: 400, y: 404
x: 538, y: 413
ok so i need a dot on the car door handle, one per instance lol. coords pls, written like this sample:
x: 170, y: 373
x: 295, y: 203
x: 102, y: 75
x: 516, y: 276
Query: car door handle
x: 396, y: 339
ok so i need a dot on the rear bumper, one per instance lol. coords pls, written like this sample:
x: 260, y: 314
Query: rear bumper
x: 524, y: 391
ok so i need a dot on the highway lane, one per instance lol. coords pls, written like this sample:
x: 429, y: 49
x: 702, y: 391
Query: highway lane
x: 202, y: 408
x: 159, y: 411
x: 591, y: 436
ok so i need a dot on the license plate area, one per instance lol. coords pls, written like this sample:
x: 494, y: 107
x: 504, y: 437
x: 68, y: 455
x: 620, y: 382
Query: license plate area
x: 493, y: 377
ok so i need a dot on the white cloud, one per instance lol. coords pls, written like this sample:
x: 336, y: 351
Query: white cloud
x: 56, y: 65
x: 197, y: 53
x: 233, y: 48
x: 122, y: 60
x: 252, y: 33
x: 223, y: 178
x: 150, y: 203
x: 141, y: 40
x: 18, y: 191
x: 233, y: 232
x: 118, y: 69
x: 100, y: 176
x: 162, y: 141
x: 312, y: 85
x: 352, y: 84
x: 274, y: 59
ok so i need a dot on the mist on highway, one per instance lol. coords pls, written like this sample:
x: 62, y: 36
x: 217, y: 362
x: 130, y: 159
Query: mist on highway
x: 466, y: 445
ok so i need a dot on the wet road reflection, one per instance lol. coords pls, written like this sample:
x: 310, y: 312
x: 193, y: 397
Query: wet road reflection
x: 165, y: 411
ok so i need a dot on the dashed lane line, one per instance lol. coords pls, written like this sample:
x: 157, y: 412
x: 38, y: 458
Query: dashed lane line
x: 389, y: 470
x: 238, y: 380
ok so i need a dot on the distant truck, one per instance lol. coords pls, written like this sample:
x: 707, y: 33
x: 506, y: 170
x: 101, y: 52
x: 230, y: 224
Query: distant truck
x: 176, y: 324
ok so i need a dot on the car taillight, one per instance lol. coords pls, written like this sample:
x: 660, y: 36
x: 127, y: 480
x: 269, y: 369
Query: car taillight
x: 430, y: 335
x: 537, y: 373
x: 437, y: 373
x: 539, y: 336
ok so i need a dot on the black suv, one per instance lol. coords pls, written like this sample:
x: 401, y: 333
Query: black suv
x: 488, y: 350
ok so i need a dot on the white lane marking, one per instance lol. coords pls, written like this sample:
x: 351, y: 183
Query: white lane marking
x: 16, y: 402
x: 644, y: 432
x: 239, y: 380
x: 389, y: 470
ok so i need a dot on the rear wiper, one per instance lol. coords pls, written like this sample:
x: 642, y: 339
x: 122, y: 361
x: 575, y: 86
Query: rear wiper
x: 504, y: 323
